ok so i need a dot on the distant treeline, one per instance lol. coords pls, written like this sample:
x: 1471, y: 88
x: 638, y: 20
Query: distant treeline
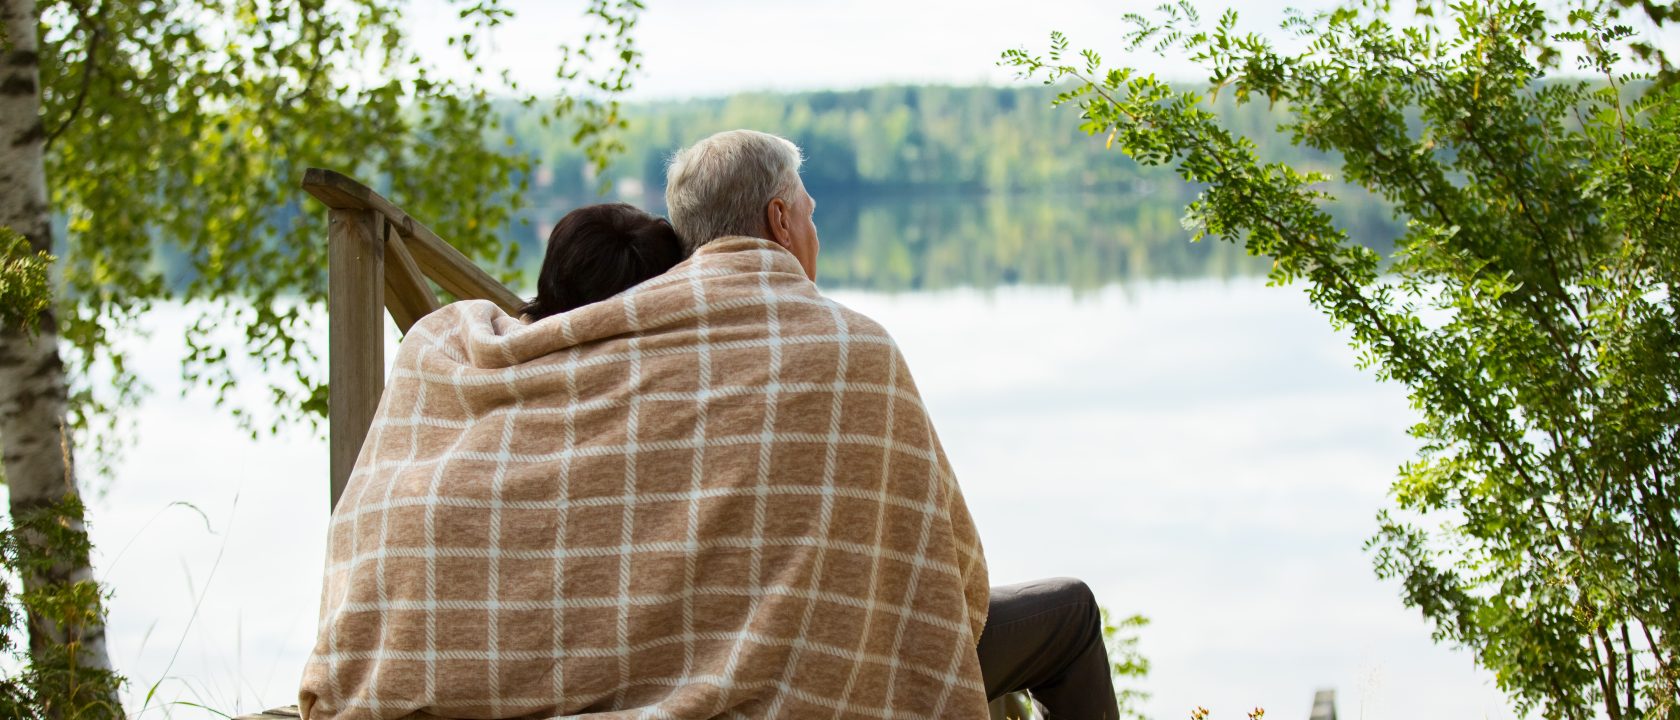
x: 927, y: 187
x: 886, y: 139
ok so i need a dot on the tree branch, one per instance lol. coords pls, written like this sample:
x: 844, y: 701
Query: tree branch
x: 97, y: 36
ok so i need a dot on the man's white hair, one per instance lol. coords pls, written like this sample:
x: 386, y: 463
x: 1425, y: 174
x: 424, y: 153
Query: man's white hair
x: 721, y: 185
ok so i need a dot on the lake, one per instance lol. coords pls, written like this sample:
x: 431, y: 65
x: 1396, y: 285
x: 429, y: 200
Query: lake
x: 1120, y: 405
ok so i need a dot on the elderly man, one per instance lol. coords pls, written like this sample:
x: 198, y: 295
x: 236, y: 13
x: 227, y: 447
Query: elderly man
x: 716, y: 494
x: 1043, y: 636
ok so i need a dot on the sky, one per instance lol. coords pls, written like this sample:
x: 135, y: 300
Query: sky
x: 699, y: 48
x: 703, y: 48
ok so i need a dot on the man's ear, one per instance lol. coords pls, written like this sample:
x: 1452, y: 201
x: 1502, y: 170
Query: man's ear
x: 776, y: 221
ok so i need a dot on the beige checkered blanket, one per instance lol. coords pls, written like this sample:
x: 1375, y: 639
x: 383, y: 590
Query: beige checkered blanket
x: 716, y: 495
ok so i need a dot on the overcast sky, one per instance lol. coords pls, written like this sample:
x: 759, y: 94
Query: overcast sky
x: 715, y: 47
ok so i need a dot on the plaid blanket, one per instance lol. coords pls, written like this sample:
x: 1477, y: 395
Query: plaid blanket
x: 715, y: 495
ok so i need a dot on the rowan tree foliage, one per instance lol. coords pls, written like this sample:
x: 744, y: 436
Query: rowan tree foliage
x: 1529, y: 308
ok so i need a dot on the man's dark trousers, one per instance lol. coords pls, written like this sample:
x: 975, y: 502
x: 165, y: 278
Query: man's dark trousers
x: 1045, y: 637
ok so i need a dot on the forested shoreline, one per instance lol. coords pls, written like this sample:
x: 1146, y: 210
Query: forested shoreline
x: 886, y: 139
x: 928, y: 187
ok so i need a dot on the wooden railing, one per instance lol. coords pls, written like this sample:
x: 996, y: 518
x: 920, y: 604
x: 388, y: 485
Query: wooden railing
x: 378, y: 259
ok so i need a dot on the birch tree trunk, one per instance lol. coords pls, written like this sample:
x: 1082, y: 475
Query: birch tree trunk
x: 33, y: 393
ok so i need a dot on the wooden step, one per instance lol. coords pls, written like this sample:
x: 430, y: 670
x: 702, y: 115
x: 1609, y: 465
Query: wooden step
x: 289, y: 711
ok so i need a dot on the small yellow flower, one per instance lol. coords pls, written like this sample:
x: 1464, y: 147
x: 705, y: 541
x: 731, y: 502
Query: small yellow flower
x: 1257, y: 713
x: 1200, y: 713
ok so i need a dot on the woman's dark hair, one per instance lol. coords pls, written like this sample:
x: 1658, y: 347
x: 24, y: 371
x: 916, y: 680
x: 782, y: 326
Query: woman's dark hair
x: 599, y: 251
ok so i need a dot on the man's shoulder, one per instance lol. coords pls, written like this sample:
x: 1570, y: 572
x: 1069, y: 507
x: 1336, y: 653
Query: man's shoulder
x: 858, y: 323
x: 809, y: 304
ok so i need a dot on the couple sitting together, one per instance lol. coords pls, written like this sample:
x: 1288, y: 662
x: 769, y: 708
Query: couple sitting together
x: 684, y: 485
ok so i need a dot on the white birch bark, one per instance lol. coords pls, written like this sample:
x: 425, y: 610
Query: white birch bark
x: 33, y: 393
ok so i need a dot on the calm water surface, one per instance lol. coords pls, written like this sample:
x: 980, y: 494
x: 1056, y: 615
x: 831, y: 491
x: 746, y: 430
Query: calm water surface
x: 1119, y: 405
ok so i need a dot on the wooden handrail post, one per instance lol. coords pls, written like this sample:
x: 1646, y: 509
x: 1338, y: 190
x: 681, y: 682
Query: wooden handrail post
x: 355, y: 334
x: 406, y: 294
x: 363, y: 229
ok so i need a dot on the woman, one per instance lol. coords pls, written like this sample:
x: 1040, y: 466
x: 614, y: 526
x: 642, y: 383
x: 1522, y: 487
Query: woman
x: 599, y: 251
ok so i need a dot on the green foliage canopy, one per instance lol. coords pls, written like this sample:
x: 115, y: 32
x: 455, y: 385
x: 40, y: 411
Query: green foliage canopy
x: 51, y: 684
x: 1529, y: 307
x: 181, y: 129
x: 25, y: 289
x: 1126, y: 663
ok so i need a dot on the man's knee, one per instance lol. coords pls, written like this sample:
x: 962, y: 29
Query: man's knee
x: 1079, y: 603
x: 1072, y: 591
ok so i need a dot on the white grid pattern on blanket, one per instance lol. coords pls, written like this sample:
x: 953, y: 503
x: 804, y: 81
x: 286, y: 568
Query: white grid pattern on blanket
x: 944, y: 676
x: 831, y: 450
x: 718, y: 392
x: 773, y: 344
x: 431, y: 558
x: 793, y: 608
x: 695, y: 485
x: 564, y: 477
x: 882, y: 501
x: 628, y: 524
